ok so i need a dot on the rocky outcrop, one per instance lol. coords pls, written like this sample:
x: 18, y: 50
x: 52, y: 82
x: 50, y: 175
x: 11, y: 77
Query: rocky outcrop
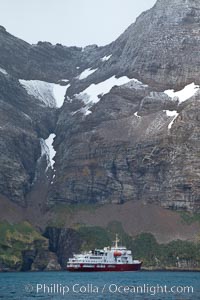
x: 39, y: 260
x: 64, y: 242
x: 161, y: 45
x: 188, y: 264
x: 45, y: 261
x: 22, y: 248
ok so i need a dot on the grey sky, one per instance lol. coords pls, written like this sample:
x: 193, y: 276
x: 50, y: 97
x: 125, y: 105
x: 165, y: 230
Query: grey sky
x: 70, y: 22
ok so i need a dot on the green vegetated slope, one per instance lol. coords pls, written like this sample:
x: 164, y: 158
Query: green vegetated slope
x: 176, y: 254
x: 16, y: 238
x: 189, y: 218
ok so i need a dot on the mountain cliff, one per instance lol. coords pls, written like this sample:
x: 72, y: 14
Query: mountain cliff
x: 104, y: 124
x: 137, y: 141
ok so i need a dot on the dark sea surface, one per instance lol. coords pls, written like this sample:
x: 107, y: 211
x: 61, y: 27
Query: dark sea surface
x: 100, y: 285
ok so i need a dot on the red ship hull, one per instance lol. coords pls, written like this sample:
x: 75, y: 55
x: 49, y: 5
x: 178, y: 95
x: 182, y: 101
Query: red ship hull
x: 106, y: 268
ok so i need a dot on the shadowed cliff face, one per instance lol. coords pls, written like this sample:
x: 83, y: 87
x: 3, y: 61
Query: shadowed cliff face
x: 22, y: 122
x: 64, y: 242
x: 126, y: 142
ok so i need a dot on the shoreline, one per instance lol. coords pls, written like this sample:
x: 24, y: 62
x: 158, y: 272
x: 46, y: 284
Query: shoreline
x: 144, y: 269
x: 169, y: 269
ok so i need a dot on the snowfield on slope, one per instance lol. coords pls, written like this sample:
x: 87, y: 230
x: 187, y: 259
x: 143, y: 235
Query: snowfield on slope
x: 50, y: 94
x: 3, y: 71
x: 136, y: 115
x: 106, y: 57
x: 86, y: 73
x: 48, y: 150
x: 187, y: 92
x: 171, y: 113
x: 92, y: 94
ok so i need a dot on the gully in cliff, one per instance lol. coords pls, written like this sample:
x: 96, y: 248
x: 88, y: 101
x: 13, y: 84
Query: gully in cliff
x: 116, y: 258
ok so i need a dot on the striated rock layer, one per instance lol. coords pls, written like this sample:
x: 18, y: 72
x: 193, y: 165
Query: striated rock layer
x: 125, y: 151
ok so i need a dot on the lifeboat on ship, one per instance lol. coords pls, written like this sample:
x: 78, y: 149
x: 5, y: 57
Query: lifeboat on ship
x: 117, y: 253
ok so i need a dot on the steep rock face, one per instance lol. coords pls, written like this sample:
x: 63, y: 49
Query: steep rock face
x: 20, y: 245
x: 126, y: 150
x: 64, y: 242
x: 45, y: 260
x: 22, y: 122
x: 127, y: 146
x: 45, y: 61
x: 126, y: 142
x: 161, y: 48
x: 24, y: 119
x: 23, y: 60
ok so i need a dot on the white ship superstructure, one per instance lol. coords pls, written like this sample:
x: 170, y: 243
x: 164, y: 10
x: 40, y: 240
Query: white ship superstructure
x: 116, y: 258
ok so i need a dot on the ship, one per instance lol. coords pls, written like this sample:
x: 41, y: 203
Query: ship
x: 116, y: 258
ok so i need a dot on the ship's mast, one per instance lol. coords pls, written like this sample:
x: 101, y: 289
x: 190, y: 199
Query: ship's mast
x: 116, y: 241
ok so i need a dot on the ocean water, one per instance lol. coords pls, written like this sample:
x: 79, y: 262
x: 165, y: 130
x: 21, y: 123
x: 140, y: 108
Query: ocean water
x: 100, y: 285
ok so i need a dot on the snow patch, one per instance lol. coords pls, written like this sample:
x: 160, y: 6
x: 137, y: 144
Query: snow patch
x: 136, y: 114
x: 106, y: 57
x: 3, y: 71
x: 84, y: 110
x: 94, y: 90
x: 171, y: 113
x: 59, y: 93
x: 50, y: 94
x: 48, y: 150
x: 187, y: 92
x: 49, y: 142
x: 91, y: 94
x: 64, y: 80
x: 86, y: 73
